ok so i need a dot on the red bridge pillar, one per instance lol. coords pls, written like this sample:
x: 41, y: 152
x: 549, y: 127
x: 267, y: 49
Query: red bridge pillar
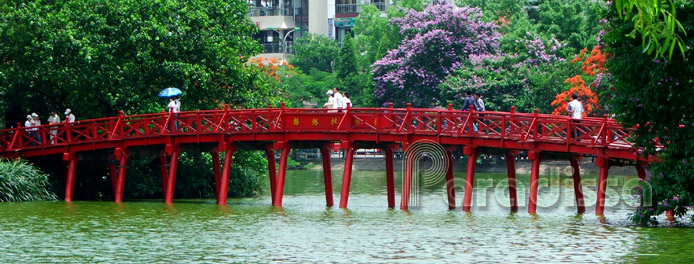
x: 604, y: 165
x: 327, y: 175
x: 390, y: 181
x: 272, y: 171
x: 279, y: 191
x: 120, y: 154
x: 578, y: 188
x: 470, y: 176
x: 534, y: 177
x: 71, y: 158
x: 346, y: 177
x: 406, y: 181
x: 223, y: 187
x: 216, y: 169
x: 450, y: 183
x: 512, y: 188
x: 173, y: 169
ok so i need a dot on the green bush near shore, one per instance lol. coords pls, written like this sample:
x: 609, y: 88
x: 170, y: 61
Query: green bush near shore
x: 21, y: 181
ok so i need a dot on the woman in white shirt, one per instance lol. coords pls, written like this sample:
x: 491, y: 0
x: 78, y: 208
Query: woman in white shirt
x: 331, y: 104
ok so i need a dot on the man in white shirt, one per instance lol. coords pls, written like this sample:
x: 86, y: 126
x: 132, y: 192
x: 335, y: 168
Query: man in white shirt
x: 53, y: 120
x: 69, y: 117
x: 575, y: 110
x: 338, y: 99
x: 174, y: 105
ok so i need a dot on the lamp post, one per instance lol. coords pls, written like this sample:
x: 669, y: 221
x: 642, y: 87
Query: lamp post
x: 284, y: 40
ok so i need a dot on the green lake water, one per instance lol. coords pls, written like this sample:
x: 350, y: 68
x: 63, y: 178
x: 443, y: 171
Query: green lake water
x: 249, y: 230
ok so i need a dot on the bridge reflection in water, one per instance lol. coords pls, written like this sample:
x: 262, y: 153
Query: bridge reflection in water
x: 283, y: 128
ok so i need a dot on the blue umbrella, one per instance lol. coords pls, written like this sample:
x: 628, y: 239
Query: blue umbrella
x: 170, y: 92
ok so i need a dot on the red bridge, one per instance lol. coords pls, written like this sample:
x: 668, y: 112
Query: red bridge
x: 284, y: 128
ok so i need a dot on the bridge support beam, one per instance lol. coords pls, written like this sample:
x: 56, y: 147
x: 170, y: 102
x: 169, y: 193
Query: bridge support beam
x: 604, y: 165
x: 472, y: 154
x: 272, y: 170
x: 217, y: 170
x: 223, y: 187
x: 171, y: 178
x: 450, y: 183
x: 512, y: 188
x: 578, y: 188
x: 534, y: 178
x: 122, y: 155
x: 390, y: 181
x: 71, y: 159
x: 327, y: 175
x: 406, y: 181
x: 346, y: 177
x: 279, y: 191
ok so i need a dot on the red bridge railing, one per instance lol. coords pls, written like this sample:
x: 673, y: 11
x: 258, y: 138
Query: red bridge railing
x: 596, y: 132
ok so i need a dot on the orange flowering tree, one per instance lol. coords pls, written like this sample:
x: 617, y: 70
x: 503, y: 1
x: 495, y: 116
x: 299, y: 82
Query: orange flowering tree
x: 593, y: 68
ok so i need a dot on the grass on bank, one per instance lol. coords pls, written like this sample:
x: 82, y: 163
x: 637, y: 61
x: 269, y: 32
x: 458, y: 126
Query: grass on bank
x: 21, y: 181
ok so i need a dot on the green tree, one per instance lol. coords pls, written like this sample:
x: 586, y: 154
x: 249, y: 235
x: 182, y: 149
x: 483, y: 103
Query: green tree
x: 374, y: 36
x: 314, y: 51
x: 655, y: 95
x: 573, y: 22
x: 346, y: 64
x: 99, y: 57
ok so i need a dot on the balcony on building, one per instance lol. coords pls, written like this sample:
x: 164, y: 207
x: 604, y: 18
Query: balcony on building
x: 352, y: 8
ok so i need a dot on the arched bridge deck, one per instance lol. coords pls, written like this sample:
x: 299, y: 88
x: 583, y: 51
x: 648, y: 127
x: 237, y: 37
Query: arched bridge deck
x: 283, y: 128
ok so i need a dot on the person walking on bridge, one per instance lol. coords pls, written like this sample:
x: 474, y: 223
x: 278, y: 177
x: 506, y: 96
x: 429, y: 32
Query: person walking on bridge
x: 575, y: 110
x: 69, y: 117
x: 339, y: 100
x: 469, y: 101
x: 331, y: 101
x: 53, y: 120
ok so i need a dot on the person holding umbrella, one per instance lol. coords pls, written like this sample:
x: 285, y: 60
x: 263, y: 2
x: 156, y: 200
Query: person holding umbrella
x: 174, y: 105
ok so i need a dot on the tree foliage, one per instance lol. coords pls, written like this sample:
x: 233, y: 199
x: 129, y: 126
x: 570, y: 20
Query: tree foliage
x: 314, y: 51
x: 98, y: 57
x: 657, y: 23
x: 655, y: 95
x: 436, y: 42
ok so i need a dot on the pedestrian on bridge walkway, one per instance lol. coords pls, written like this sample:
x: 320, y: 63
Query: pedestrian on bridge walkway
x: 575, y: 110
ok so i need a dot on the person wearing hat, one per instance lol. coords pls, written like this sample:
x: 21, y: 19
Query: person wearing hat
x: 35, y: 123
x: 53, y: 120
x: 69, y: 117
x: 29, y: 124
x: 331, y: 101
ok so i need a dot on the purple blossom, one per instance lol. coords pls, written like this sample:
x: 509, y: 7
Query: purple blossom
x: 436, y: 42
x: 675, y: 198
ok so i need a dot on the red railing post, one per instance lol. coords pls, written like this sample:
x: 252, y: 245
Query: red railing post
x: 16, y: 136
x: 535, y: 124
x: 408, y: 117
x: 68, y: 132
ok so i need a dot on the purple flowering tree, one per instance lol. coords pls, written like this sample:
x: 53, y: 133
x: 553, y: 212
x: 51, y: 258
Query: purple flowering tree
x: 436, y: 42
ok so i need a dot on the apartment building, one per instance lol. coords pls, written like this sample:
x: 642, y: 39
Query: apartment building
x: 282, y: 21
